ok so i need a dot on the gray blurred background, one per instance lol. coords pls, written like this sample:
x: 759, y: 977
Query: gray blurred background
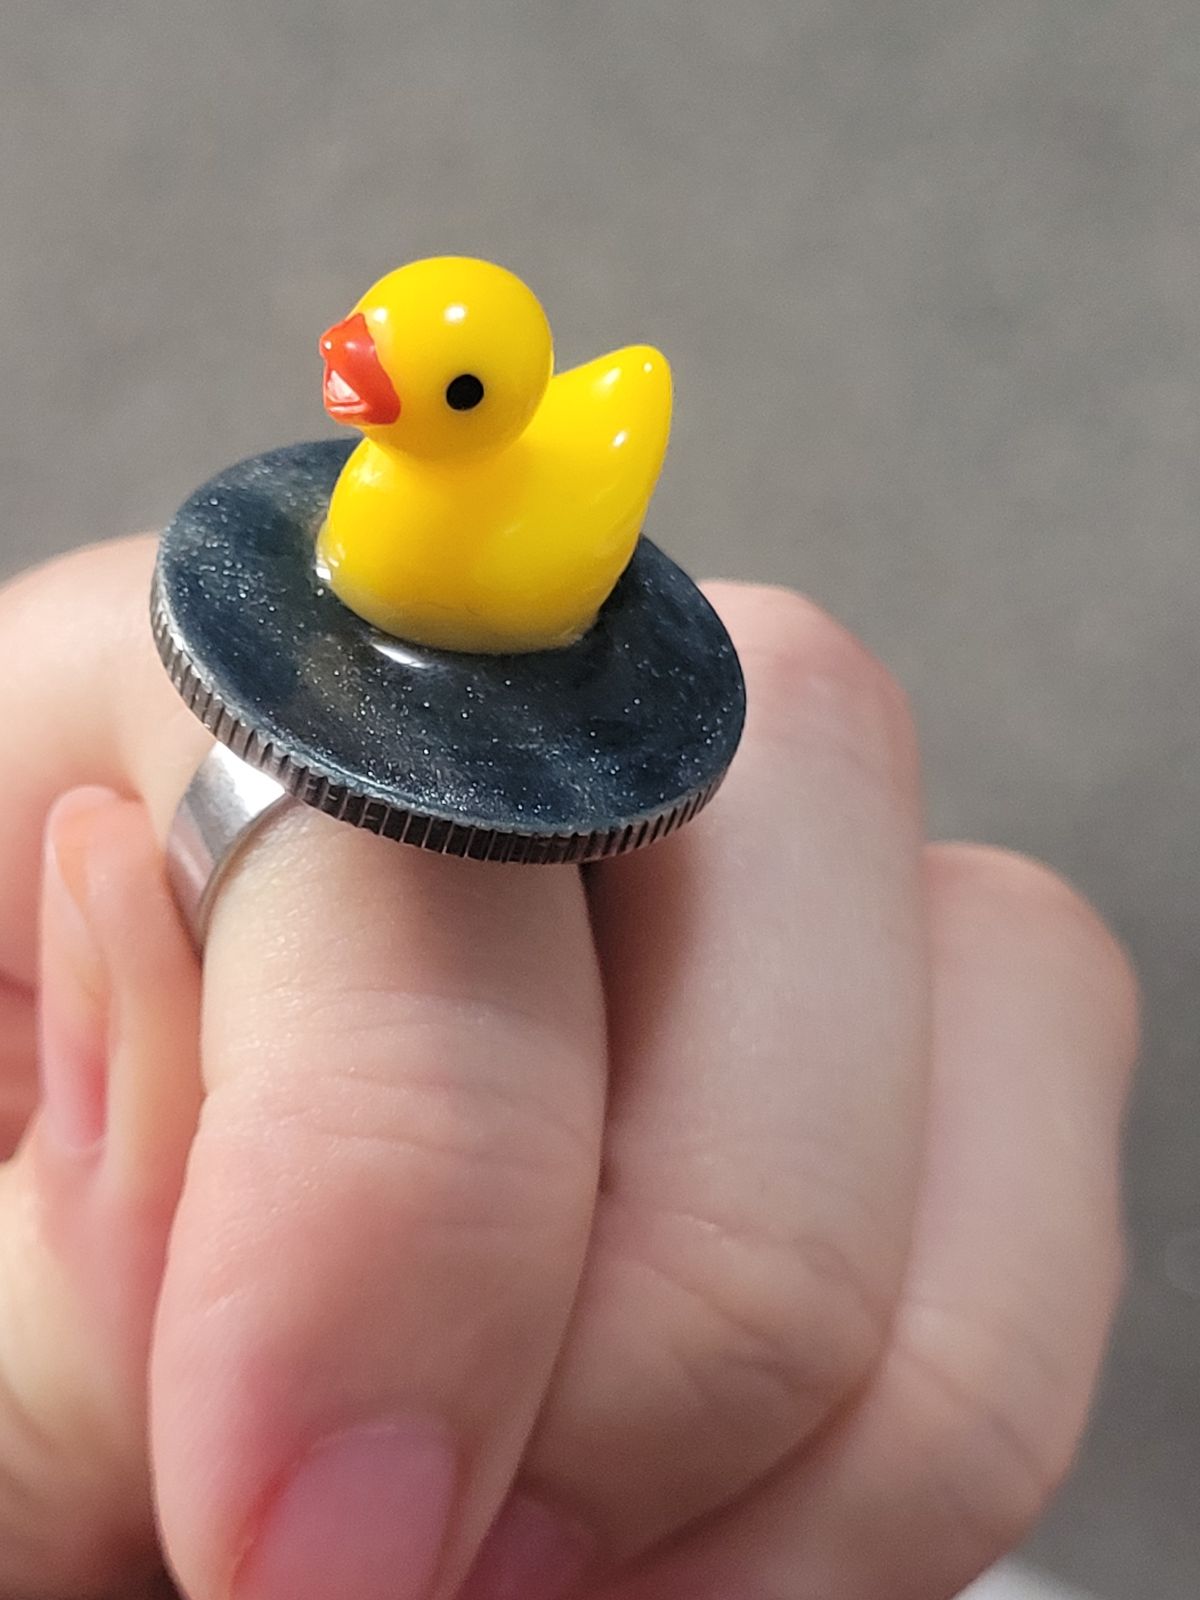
x: 927, y: 270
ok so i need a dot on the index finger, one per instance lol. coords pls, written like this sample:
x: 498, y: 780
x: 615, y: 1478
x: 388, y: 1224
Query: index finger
x: 389, y: 1196
x: 86, y: 702
x: 385, y: 1217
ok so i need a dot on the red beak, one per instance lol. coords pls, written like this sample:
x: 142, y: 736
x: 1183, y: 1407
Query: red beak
x: 357, y: 389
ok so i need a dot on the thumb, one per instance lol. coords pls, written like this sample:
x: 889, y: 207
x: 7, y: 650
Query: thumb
x: 86, y: 1204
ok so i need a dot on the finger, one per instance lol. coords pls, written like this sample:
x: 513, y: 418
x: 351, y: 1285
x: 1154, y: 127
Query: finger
x: 112, y: 717
x: 975, y: 1415
x: 86, y: 1205
x: 768, y: 997
x: 385, y: 1219
x: 86, y: 702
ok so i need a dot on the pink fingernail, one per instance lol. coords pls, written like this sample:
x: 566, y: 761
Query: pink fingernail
x: 532, y: 1553
x: 363, y: 1517
x: 74, y: 981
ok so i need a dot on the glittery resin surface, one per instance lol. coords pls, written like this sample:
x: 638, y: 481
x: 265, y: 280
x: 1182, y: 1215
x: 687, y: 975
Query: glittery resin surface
x: 550, y: 756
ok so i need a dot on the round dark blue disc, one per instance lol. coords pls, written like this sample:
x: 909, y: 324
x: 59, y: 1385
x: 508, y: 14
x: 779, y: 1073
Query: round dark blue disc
x: 556, y: 755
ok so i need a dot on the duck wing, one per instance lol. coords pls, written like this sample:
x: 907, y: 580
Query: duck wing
x: 601, y: 432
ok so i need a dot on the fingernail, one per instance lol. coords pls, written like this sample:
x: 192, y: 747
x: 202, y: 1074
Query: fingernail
x: 363, y: 1517
x: 73, y: 1010
x: 532, y: 1553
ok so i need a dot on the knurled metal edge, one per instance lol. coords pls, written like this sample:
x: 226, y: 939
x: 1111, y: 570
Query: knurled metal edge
x: 341, y: 800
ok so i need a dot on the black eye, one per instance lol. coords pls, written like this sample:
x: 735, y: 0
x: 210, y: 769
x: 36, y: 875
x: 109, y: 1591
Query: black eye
x: 464, y: 392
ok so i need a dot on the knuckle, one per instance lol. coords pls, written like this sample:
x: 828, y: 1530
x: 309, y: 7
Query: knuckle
x: 41, y: 587
x: 435, y: 1105
x: 33, y: 585
x: 798, y: 639
x: 805, y: 669
x: 1010, y: 880
x: 772, y: 1335
x: 100, y: 592
x: 845, y: 1318
x: 1027, y: 896
x: 992, y: 1467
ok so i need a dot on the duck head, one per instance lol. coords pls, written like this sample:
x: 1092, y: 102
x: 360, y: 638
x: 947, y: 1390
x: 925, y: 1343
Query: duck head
x: 443, y: 358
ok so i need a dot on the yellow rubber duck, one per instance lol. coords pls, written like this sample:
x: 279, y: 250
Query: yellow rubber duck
x: 491, y: 506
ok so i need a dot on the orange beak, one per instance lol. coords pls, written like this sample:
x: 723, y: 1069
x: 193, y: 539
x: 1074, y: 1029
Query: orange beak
x: 357, y: 389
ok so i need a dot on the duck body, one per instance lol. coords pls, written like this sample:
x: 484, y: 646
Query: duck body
x: 514, y: 550
x: 500, y: 546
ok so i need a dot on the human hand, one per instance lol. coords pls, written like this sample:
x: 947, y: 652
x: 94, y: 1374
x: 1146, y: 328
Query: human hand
x: 738, y: 1221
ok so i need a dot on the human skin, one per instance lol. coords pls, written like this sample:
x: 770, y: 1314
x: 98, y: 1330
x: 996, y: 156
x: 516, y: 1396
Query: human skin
x: 736, y: 1221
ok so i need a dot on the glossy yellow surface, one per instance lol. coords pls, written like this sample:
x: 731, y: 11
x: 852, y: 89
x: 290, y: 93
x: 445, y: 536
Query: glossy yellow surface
x: 503, y: 526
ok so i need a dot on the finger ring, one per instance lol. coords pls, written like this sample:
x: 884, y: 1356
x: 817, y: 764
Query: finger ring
x: 453, y: 633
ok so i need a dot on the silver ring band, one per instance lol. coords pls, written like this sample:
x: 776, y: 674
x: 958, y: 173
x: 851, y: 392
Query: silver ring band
x: 224, y: 805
